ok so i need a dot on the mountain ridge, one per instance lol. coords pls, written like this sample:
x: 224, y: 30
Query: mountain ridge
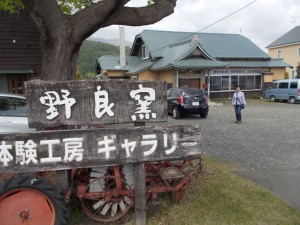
x: 115, y: 41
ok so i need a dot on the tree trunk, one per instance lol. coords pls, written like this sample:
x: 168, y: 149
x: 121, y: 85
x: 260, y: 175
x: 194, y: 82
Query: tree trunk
x: 59, y: 59
x: 62, y: 34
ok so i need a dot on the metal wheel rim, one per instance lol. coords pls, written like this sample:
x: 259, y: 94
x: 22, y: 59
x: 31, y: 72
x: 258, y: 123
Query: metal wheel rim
x: 112, y: 209
x: 26, y: 206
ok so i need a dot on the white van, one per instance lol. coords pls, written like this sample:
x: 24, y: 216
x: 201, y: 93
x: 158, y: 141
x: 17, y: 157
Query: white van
x: 288, y: 90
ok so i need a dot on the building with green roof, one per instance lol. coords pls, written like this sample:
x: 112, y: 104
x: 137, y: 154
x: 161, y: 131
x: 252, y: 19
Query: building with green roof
x: 213, y: 61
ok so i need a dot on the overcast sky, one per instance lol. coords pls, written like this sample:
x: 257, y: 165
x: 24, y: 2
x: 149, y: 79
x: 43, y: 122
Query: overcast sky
x: 262, y: 22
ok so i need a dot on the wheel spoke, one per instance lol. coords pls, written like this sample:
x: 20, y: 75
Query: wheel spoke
x: 105, y: 209
x: 98, y: 204
x: 110, y: 206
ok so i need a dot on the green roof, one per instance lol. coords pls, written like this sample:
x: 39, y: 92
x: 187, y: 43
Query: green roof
x: 255, y: 64
x: 170, y: 49
x: 215, y: 44
x: 134, y: 64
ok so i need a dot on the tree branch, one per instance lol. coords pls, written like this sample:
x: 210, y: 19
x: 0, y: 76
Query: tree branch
x: 142, y: 16
x: 90, y: 19
x: 113, y: 12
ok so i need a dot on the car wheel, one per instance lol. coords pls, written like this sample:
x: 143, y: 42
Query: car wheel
x: 175, y: 113
x: 292, y: 100
x: 203, y: 115
x: 272, y: 98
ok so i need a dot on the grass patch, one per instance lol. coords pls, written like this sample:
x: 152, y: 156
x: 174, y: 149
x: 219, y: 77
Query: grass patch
x: 220, y: 197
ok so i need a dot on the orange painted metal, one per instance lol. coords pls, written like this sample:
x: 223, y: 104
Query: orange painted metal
x: 26, y: 207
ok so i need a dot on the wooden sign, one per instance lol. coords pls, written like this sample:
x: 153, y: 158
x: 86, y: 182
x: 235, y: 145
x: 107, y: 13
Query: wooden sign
x: 91, y: 102
x: 58, y: 150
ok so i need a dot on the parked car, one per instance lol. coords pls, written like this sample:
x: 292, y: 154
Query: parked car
x: 187, y: 101
x: 13, y: 114
x: 288, y: 90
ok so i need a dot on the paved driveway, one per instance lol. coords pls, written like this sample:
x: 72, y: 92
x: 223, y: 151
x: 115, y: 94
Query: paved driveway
x: 267, y: 143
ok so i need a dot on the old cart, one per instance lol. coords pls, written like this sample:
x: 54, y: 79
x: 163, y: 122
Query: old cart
x: 109, y: 169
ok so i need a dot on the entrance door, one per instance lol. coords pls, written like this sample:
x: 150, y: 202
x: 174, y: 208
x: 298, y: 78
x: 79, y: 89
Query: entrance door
x: 193, y: 83
x: 16, y: 83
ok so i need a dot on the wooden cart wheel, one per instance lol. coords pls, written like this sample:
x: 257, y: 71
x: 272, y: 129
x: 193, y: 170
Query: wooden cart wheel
x: 112, y: 203
x: 26, y: 200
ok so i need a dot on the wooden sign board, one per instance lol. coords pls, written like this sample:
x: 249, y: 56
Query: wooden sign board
x: 59, y: 150
x: 92, y: 102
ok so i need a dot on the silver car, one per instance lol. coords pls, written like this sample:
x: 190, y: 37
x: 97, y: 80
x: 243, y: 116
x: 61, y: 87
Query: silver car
x: 13, y: 114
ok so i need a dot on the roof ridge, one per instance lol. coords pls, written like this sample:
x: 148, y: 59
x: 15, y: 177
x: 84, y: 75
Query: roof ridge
x: 191, y: 32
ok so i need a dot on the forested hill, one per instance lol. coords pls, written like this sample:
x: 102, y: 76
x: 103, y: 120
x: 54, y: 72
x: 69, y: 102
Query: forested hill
x: 90, y: 51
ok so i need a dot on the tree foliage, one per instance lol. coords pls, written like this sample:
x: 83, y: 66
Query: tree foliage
x: 11, y: 5
x: 90, y: 51
x: 298, y: 71
x: 67, y: 6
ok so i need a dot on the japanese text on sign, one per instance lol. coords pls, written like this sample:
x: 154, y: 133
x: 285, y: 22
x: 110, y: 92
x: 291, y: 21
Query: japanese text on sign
x: 27, y: 152
x: 143, y: 96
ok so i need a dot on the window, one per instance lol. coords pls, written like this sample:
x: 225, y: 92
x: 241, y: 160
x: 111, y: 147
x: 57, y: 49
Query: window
x: 145, y: 52
x: 283, y: 85
x: 249, y: 82
x: 293, y: 85
x: 298, y: 52
x: 242, y: 82
x: 279, y: 55
x: 10, y: 106
x: 216, y: 83
x: 257, y: 82
x: 175, y: 93
x: 225, y: 83
x: 234, y: 82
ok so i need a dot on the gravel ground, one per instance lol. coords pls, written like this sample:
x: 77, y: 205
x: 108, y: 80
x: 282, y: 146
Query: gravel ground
x: 266, y: 144
x: 268, y: 136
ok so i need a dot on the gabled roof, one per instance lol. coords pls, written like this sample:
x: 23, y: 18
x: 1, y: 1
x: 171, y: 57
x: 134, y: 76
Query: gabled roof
x: 134, y: 64
x: 170, y: 49
x: 291, y: 37
x: 215, y: 44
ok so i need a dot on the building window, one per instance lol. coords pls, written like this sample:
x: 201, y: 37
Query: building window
x: 298, y: 52
x: 279, y: 55
x: 145, y: 52
x: 226, y: 83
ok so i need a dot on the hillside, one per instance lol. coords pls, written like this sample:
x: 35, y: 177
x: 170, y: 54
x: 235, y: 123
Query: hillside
x: 109, y: 41
x: 90, y: 51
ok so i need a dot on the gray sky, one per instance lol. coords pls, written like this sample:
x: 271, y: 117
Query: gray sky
x: 262, y: 22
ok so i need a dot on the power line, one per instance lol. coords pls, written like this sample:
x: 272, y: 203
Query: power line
x: 236, y: 11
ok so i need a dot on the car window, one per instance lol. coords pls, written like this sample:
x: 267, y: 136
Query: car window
x: 10, y: 106
x: 175, y: 93
x: 273, y: 86
x: 168, y: 92
x: 293, y: 85
x: 283, y: 85
x: 193, y: 92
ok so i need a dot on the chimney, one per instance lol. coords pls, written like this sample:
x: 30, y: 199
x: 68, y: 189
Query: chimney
x: 122, y: 47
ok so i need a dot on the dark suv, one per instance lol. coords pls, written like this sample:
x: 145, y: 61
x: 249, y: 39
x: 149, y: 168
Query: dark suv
x: 187, y: 101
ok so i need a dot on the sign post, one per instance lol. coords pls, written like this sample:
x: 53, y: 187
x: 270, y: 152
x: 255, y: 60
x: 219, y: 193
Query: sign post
x: 92, y: 103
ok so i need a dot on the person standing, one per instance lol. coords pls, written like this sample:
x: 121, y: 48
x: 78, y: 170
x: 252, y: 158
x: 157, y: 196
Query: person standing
x: 238, y: 102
